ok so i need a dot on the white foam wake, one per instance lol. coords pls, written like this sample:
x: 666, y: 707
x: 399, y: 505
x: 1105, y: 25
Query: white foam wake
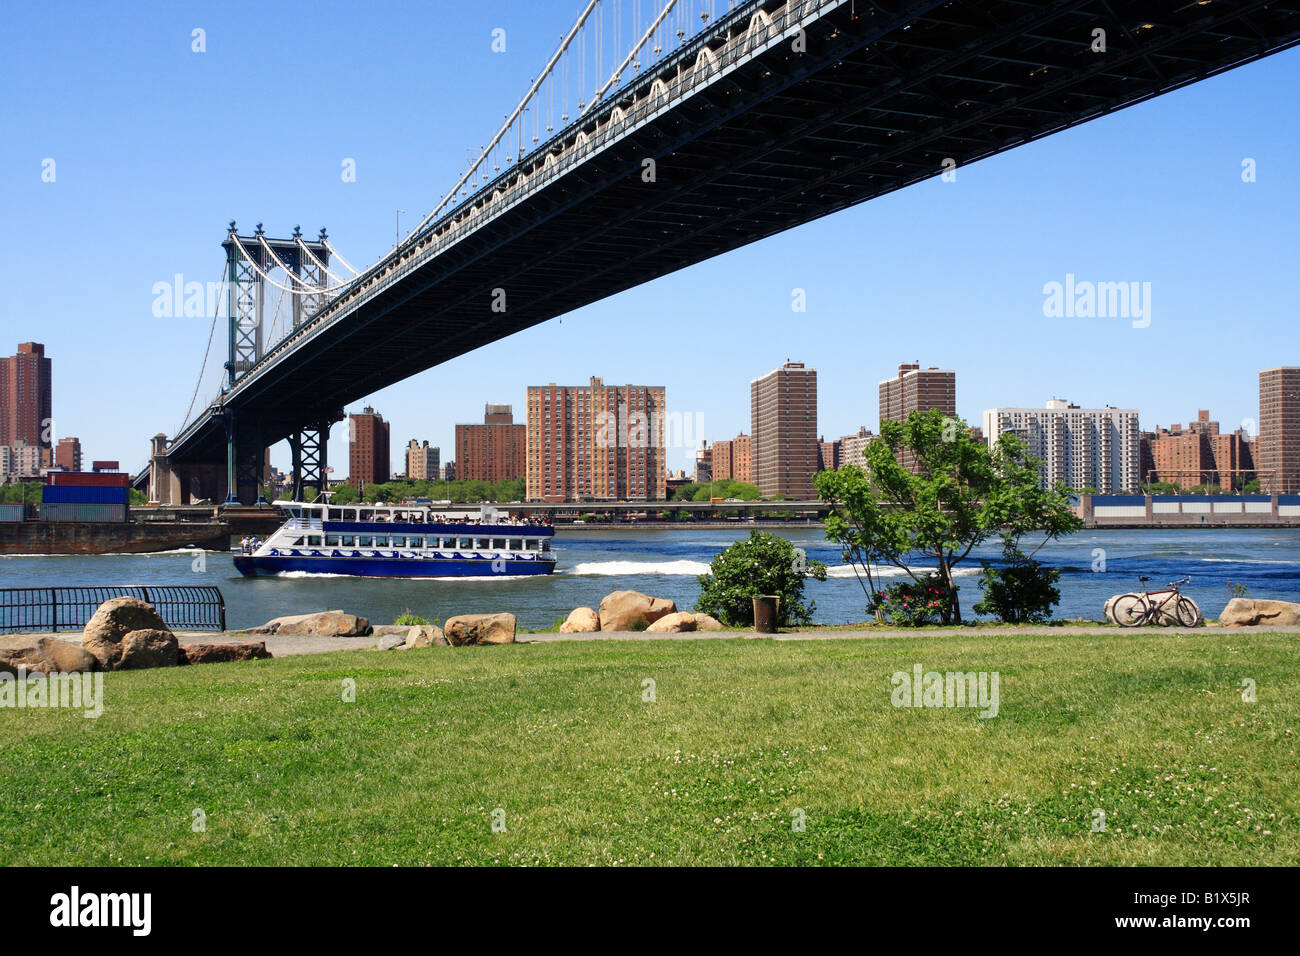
x: 610, y: 568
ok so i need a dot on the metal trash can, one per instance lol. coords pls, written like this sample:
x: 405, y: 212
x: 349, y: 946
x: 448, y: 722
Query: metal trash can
x: 766, y: 608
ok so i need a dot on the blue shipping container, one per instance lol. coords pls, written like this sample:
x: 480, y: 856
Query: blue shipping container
x: 84, y: 495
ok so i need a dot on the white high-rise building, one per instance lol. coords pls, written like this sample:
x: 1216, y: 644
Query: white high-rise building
x: 1080, y: 447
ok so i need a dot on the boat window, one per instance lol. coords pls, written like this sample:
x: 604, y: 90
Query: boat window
x: 331, y: 541
x: 415, y: 542
x: 399, y: 541
x: 516, y: 544
x: 314, y: 540
x: 336, y: 514
x: 365, y: 541
x: 462, y: 543
x: 478, y: 543
x: 381, y: 541
x: 366, y: 514
x: 298, y: 541
x: 349, y: 541
x: 498, y: 544
x: 546, y: 545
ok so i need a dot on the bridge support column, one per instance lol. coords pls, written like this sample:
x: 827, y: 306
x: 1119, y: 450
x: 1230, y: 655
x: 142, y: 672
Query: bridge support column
x: 310, y: 449
x: 245, y: 462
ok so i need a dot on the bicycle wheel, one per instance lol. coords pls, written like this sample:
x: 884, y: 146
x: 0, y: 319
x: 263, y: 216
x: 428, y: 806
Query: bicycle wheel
x: 1130, y: 610
x: 1188, y: 615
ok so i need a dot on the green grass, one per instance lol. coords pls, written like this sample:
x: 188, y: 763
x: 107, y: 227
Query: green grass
x: 1152, y: 729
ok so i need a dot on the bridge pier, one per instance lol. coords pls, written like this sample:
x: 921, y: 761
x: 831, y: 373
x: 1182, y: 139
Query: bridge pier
x: 245, y: 463
x: 309, y: 447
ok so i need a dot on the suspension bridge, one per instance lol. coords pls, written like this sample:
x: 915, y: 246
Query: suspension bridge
x: 624, y: 161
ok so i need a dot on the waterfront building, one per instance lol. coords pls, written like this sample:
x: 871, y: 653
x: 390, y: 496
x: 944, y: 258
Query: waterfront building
x: 595, y: 442
x: 448, y: 471
x: 422, y: 461
x: 368, y: 456
x: 26, y: 397
x: 1095, y: 448
x: 783, y: 419
x: 1279, y: 430
x: 1197, y: 455
x: 493, y: 451
x: 67, y: 455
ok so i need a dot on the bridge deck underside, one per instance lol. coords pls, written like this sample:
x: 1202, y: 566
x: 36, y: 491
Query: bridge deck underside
x: 879, y: 100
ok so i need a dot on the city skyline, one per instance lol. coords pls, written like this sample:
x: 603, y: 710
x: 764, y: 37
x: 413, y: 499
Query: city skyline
x: 951, y: 272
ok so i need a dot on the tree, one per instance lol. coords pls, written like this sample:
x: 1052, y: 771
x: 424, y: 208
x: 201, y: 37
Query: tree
x: 760, y: 564
x: 962, y: 493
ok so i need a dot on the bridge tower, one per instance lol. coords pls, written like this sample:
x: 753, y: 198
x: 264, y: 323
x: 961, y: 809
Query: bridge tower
x: 251, y: 262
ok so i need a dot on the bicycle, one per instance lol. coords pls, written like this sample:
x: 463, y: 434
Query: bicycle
x: 1152, y: 607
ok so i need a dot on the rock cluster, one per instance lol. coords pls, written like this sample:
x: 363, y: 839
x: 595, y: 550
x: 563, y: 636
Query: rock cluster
x: 631, y: 611
x: 123, y: 634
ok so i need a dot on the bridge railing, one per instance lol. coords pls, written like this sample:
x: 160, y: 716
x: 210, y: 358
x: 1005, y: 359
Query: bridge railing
x: 200, y: 607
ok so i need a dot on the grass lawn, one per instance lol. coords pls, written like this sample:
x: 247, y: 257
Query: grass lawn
x: 743, y: 733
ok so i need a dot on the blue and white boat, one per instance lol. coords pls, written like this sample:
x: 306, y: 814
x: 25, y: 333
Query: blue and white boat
x: 400, y: 541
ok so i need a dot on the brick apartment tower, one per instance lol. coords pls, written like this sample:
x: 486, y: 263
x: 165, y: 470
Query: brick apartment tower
x: 1278, y: 460
x: 422, y: 461
x: 783, y: 417
x: 26, y: 402
x: 917, y: 389
x: 368, y: 460
x: 67, y: 455
x: 733, y: 460
x: 493, y: 451
x: 595, y: 442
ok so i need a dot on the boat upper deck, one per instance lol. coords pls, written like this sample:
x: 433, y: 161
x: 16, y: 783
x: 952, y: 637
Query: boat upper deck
x: 423, y: 519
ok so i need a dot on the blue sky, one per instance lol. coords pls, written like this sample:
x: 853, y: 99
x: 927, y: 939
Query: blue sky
x: 157, y: 147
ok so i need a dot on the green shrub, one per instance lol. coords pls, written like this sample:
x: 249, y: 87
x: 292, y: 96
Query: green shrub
x: 409, y: 620
x: 760, y: 564
x: 1021, y: 591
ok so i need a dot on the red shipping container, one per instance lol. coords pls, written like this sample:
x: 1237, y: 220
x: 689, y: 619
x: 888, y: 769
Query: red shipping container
x: 101, y: 479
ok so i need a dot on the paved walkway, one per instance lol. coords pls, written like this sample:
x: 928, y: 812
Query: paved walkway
x: 288, y: 646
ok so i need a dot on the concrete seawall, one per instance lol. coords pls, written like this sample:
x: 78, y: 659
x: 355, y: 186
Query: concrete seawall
x: 75, y: 537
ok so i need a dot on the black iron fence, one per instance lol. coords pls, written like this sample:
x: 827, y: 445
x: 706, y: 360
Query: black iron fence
x: 200, y: 607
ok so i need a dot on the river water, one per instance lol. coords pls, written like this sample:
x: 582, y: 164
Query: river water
x: 666, y: 562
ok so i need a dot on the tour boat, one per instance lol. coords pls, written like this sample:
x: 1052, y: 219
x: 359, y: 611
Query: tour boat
x: 406, y: 541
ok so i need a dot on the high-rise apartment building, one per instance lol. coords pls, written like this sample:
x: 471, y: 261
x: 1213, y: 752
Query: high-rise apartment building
x: 595, y: 442
x: 67, y: 455
x: 493, y: 451
x: 1197, y: 455
x: 368, y: 459
x: 917, y: 389
x: 26, y: 396
x: 422, y: 461
x: 1095, y: 448
x: 783, y: 417
x: 1278, y: 460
